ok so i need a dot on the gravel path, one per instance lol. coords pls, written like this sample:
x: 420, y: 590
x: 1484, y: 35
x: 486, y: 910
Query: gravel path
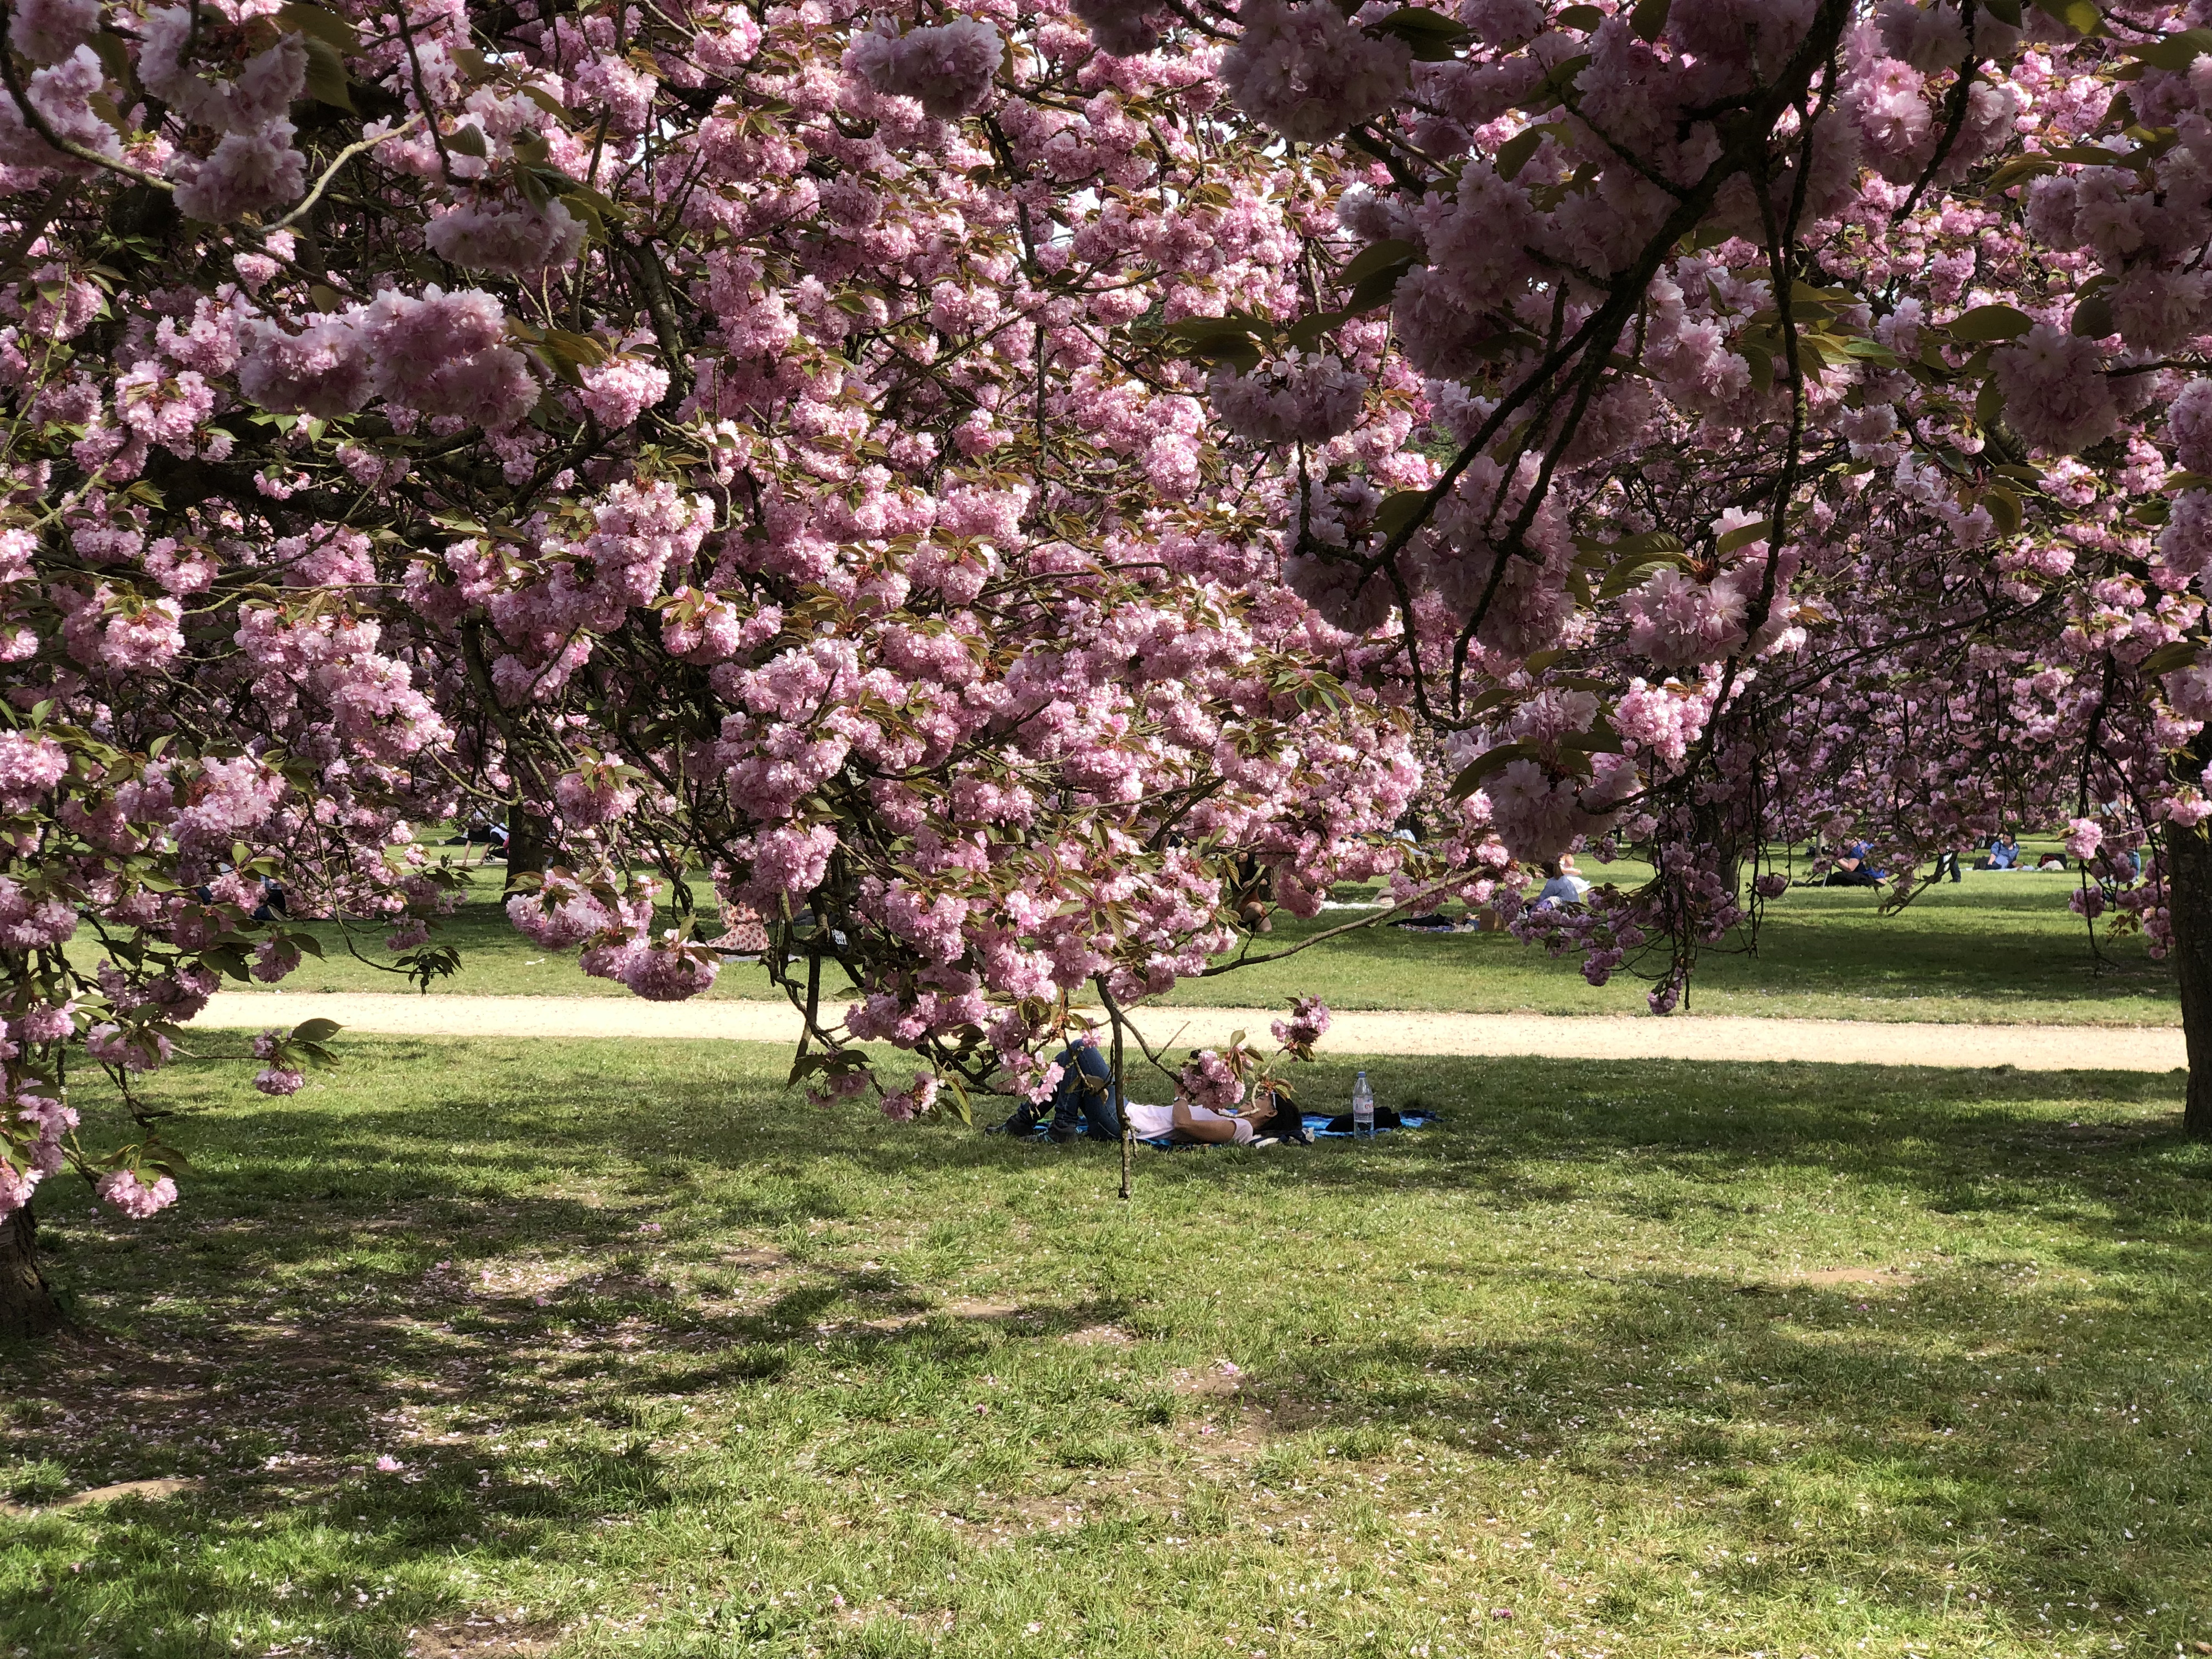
x: 1682, y: 1036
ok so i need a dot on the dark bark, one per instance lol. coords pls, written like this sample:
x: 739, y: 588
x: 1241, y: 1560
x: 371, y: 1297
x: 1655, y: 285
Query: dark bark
x: 1716, y: 824
x: 529, y: 844
x: 28, y: 1307
x: 2189, y: 898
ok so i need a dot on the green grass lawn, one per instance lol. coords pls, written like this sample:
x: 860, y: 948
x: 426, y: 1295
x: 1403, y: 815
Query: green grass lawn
x: 1651, y: 1360
x: 2001, y: 948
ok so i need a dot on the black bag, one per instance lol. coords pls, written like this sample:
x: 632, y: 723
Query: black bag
x: 1384, y: 1118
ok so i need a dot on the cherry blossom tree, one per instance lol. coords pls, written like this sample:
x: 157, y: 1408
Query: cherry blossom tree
x: 756, y: 453
x: 1813, y: 428
x: 996, y: 490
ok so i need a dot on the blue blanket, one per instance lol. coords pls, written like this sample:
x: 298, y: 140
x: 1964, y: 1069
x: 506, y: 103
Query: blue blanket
x: 1317, y: 1129
x: 1317, y: 1125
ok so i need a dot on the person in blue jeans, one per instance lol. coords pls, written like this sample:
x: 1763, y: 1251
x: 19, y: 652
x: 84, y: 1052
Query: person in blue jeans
x: 1084, y: 1095
x: 1087, y: 1095
x: 1086, y: 1098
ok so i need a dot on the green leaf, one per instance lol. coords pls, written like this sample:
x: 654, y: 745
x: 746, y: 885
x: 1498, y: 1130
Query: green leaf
x: 2182, y: 654
x: 1515, y: 153
x: 2080, y: 16
x: 2175, y: 52
x: 1435, y: 37
x: 326, y: 74
x: 1399, y: 510
x: 1377, y: 290
x: 1306, y: 333
x: 2087, y: 155
x: 2019, y: 171
x: 2005, y: 11
x: 1375, y: 257
x: 1587, y: 19
x: 1649, y: 19
x: 530, y: 181
x: 580, y: 196
x: 1218, y: 340
x: 2004, y: 509
x: 1742, y: 536
x: 114, y: 56
x: 317, y: 24
x: 2093, y: 317
x: 315, y: 1031
x: 1988, y: 404
x: 1871, y: 351
x: 1600, y: 739
x: 1990, y: 323
x: 584, y: 351
x: 1630, y: 572
x: 1212, y: 331
x: 468, y: 141
x: 227, y: 959
x: 1483, y: 765
x: 1553, y: 89
x: 961, y: 1105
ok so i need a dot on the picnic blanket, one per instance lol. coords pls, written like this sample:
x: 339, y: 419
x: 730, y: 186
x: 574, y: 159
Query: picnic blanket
x: 1319, y: 1125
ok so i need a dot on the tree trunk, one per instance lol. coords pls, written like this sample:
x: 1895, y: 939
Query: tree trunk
x: 2189, y: 899
x: 529, y: 844
x: 28, y: 1307
x: 1716, y: 822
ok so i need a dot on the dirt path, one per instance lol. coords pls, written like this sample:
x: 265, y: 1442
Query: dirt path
x: 1700, y: 1037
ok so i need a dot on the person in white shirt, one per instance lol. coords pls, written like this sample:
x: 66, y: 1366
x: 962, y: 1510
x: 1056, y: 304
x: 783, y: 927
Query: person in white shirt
x: 1184, y: 1122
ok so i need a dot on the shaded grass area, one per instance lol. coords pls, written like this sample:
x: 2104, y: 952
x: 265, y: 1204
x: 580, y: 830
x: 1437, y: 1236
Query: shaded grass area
x: 1650, y: 1359
x: 1995, y: 947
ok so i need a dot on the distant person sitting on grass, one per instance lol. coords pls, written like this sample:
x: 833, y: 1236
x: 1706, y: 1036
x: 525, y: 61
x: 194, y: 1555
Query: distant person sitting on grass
x: 1852, y: 868
x: 1562, y: 885
x: 2004, y: 854
x: 1085, y: 1096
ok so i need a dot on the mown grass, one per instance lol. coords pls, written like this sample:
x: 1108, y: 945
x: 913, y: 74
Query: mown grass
x: 1995, y: 947
x: 1647, y: 1360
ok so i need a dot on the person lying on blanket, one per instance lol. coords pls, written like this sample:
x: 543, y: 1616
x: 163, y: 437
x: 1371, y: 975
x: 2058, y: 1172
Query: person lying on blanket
x: 1085, y: 1095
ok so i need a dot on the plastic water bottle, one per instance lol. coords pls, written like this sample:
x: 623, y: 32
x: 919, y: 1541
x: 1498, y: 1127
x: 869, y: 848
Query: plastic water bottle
x: 1363, y: 1107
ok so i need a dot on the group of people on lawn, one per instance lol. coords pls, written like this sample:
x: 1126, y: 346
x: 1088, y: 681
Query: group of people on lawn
x: 1852, y: 864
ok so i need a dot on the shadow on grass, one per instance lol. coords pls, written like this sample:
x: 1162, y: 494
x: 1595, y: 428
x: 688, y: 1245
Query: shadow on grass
x: 477, y: 1248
